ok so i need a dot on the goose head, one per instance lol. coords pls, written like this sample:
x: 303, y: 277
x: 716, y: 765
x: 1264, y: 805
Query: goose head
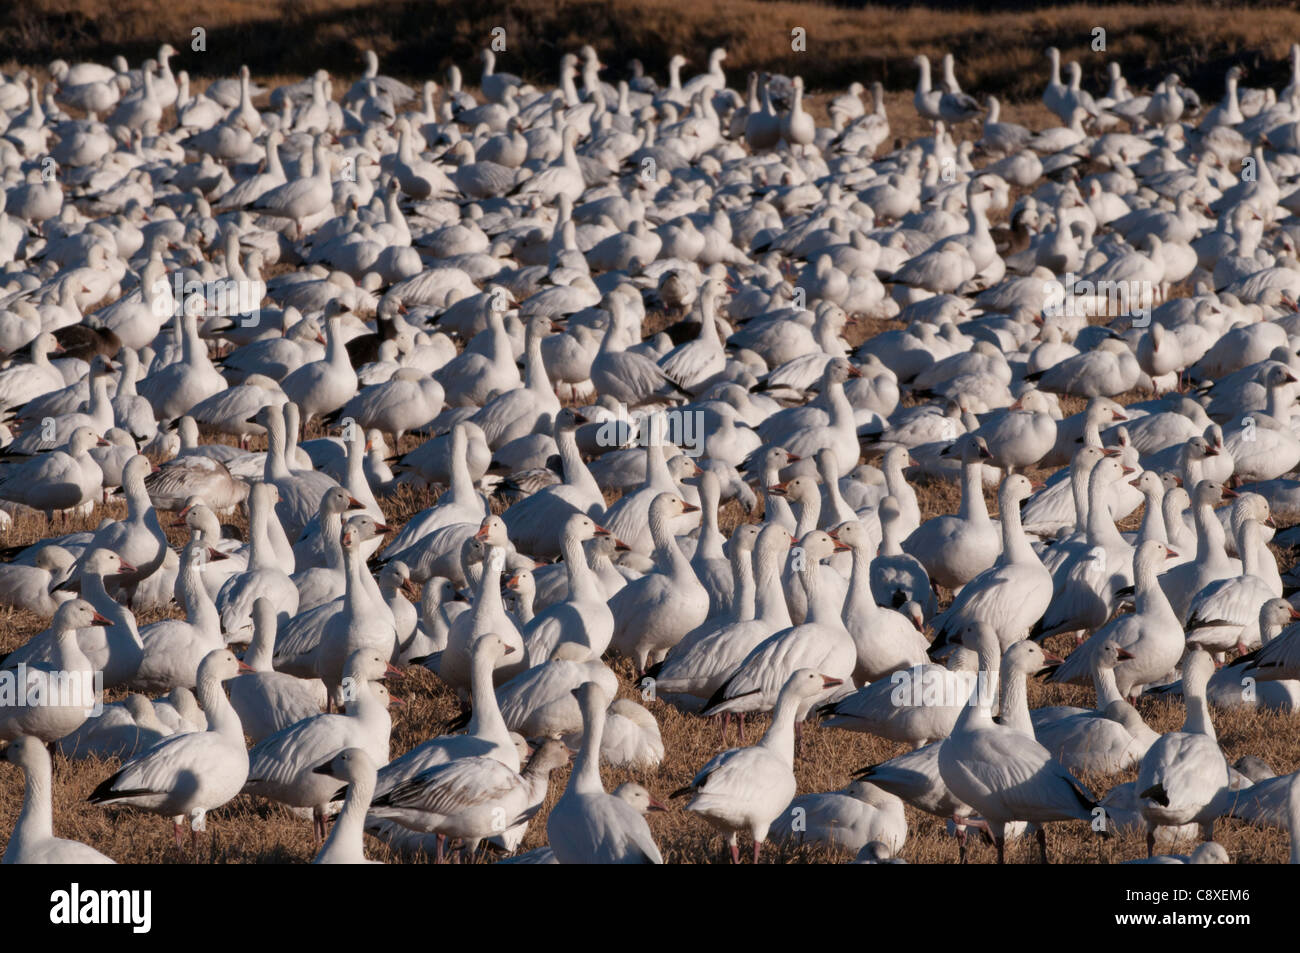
x: 220, y: 665
x: 807, y: 683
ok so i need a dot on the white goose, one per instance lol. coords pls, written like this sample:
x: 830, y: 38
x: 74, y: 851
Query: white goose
x: 32, y: 840
x: 190, y: 774
x: 746, y: 789
x: 588, y: 825
x: 345, y: 844
x: 1007, y: 776
x: 1184, y: 776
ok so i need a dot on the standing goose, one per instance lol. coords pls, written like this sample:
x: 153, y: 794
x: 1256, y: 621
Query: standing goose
x: 821, y: 641
x: 886, y: 640
x: 345, y: 844
x: 59, y: 693
x: 1184, y: 776
x: 746, y: 789
x: 32, y: 840
x: 187, y: 775
x: 1007, y: 776
x: 1151, y: 635
x: 583, y: 617
x: 588, y: 825
x: 653, y: 613
x: 280, y: 767
x: 1013, y: 594
x: 263, y: 579
x: 956, y: 549
x: 266, y: 700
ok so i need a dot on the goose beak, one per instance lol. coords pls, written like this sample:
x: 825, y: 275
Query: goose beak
x: 101, y: 442
x: 601, y: 531
x: 1211, y: 451
x: 1125, y: 654
x: 244, y: 668
x: 793, y: 457
x: 391, y: 669
x: 1294, y: 613
x: 656, y: 806
x: 778, y: 489
x: 408, y: 587
x: 509, y: 650
x: 126, y: 566
x: 1109, y: 452
x: 1053, y: 659
x: 97, y: 619
x: 355, y: 504
x: 620, y: 546
x: 382, y: 527
x: 689, y: 507
x: 1170, y: 553
x: 1118, y: 415
x: 1229, y: 494
x: 216, y: 554
x: 482, y: 533
x: 828, y: 682
x: 395, y: 702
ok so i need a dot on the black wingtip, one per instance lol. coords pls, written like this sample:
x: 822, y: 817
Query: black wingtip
x: 1156, y: 793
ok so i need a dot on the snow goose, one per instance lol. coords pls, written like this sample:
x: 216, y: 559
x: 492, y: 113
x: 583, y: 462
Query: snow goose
x: 174, y: 648
x: 920, y: 704
x: 266, y: 700
x: 462, y: 502
x: 1152, y: 634
x: 886, y: 640
x: 299, y: 492
x: 189, y: 774
x: 280, y: 765
x: 821, y: 641
x: 32, y: 587
x: 746, y: 789
x: 345, y: 845
x: 1015, y: 591
x: 1007, y: 776
x: 304, y: 197
x: 1225, y: 613
x: 263, y: 578
x: 63, y: 481
x: 32, y: 840
x: 588, y: 825
x: 1111, y: 738
x: 471, y: 798
x: 486, y: 735
x: 59, y: 693
x: 540, y: 702
x: 1184, y: 776
x: 172, y: 390
x: 698, y: 665
x: 850, y: 818
x: 651, y: 614
x: 896, y: 577
x: 1087, y: 575
x: 583, y: 617
x: 938, y: 103
x: 322, y: 387
x: 1183, y: 582
x: 116, y: 649
x: 955, y: 549
x: 487, y: 615
x: 1024, y: 435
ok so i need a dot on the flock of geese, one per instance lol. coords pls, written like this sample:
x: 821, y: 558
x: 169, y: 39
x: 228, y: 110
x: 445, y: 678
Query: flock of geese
x: 532, y: 302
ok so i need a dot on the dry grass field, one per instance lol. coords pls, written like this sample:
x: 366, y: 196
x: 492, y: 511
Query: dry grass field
x: 250, y: 830
x: 997, y: 52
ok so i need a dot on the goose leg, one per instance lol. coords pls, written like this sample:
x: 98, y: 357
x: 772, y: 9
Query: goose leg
x: 1001, y: 844
x: 1042, y: 844
x: 740, y: 722
x: 440, y: 857
x: 735, y: 849
x: 758, y: 845
x: 1151, y: 843
x: 177, y: 829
